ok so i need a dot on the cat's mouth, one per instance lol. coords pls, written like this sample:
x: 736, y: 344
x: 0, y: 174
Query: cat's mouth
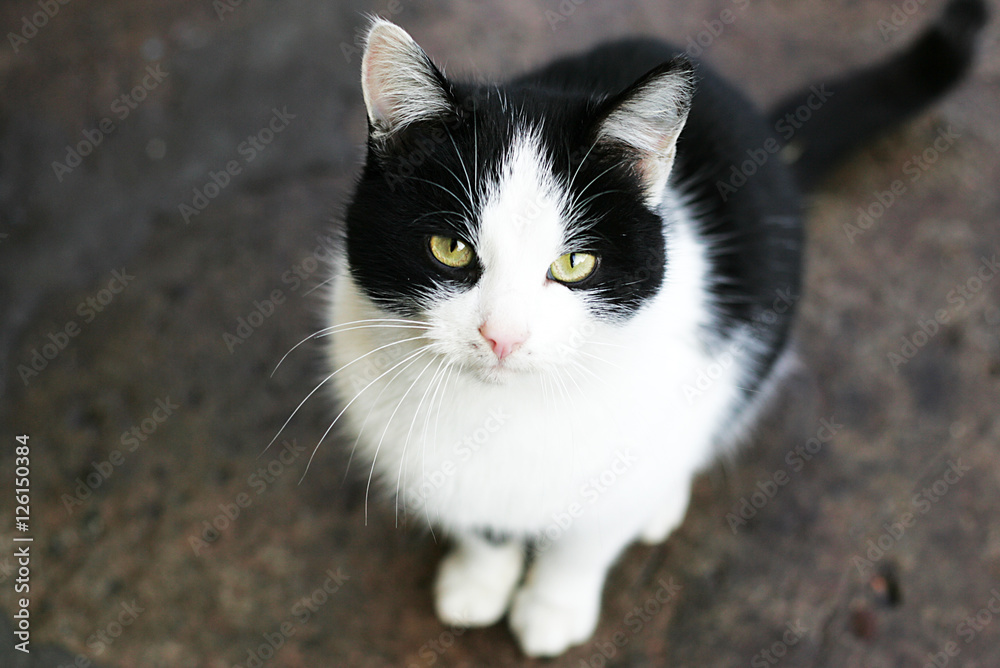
x: 499, y: 372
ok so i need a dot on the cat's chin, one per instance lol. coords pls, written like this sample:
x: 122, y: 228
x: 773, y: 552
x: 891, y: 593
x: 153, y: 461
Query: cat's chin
x: 498, y: 374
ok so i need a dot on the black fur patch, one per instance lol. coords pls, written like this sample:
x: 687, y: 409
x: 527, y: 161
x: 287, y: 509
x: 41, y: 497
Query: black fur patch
x: 429, y: 179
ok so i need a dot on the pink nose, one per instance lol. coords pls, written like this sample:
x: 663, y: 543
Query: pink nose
x: 503, y: 341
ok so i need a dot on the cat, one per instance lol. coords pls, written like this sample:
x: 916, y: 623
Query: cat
x: 561, y: 296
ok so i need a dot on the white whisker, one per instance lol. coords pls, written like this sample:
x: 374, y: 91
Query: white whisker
x: 411, y: 356
x: 335, y: 329
x: 599, y: 359
x: 317, y: 287
x: 416, y: 414
x: 378, y: 448
x: 325, y: 380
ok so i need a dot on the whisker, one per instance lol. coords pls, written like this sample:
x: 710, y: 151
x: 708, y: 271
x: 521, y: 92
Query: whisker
x: 576, y: 200
x: 458, y: 199
x: 409, y: 432
x: 334, y: 329
x: 325, y: 380
x: 583, y: 367
x: 412, y: 356
x: 430, y: 409
x: 580, y: 166
x: 378, y: 448
x: 371, y: 409
x: 475, y: 144
x: 438, y: 213
x: 317, y: 287
x: 437, y: 418
x: 599, y: 359
x: 458, y: 154
x: 573, y: 380
x: 606, y: 343
x: 560, y: 386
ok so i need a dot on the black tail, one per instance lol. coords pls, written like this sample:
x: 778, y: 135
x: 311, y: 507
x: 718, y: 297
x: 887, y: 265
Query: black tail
x: 838, y: 115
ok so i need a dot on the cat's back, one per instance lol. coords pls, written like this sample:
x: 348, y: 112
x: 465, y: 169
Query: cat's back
x: 603, y: 70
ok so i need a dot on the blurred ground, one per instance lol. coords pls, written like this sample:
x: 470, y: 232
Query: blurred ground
x: 147, y: 424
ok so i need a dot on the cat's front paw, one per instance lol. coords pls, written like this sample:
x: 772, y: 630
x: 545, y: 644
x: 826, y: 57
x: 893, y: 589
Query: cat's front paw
x: 474, y: 589
x: 545, y: 628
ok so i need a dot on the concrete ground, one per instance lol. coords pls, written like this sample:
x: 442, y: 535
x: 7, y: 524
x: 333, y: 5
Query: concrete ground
x: 879, y: 548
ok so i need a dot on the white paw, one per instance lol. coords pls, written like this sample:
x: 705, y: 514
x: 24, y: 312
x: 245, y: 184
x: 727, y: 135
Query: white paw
x: 548, y: 629
x: 475, y: 592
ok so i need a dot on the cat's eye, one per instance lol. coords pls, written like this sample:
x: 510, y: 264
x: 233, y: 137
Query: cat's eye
x: 572, y: 267
x: 451, y: 252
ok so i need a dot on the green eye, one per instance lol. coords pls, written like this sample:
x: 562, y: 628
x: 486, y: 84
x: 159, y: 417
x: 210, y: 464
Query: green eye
x: 572, y: 267
x: 451, y: 252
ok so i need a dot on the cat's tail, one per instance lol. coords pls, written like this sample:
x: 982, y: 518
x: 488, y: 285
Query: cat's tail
x: 819, y: 125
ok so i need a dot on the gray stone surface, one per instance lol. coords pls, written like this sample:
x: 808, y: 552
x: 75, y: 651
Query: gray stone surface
x: 127, y: 541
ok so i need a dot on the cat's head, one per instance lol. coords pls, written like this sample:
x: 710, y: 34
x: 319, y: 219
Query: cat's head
x: 509, y: 218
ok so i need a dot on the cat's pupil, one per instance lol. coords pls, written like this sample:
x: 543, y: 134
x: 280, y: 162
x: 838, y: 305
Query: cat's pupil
x: 454, y: 245
x: 572, y: 260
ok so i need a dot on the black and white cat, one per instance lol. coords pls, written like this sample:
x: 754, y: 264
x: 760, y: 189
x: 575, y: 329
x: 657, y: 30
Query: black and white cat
x: 556, y: 305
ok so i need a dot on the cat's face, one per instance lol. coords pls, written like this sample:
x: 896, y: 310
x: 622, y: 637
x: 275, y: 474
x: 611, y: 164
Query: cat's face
x: 514, y: 222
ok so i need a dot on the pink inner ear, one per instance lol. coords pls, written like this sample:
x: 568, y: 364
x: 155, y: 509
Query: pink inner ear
x: 379, y: 106
x: 654, y: 169
x: 399, y: 82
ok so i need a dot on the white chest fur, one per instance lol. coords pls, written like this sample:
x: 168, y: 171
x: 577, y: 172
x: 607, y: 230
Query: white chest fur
x: 599, y: 438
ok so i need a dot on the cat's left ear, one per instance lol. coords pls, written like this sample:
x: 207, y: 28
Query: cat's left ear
x: 647, y: 118
x: 399, y: 82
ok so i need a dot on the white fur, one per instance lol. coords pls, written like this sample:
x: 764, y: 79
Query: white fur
x: 650, y: 121
x: 583, y: 435
x: 398, y: 80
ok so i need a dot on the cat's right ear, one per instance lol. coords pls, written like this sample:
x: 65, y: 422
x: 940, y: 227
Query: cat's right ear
x: 399, y: 82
